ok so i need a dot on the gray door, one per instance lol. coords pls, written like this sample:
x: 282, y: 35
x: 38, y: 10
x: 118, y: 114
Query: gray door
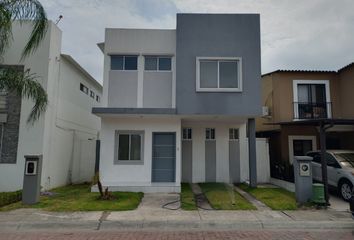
x: 163, y: 157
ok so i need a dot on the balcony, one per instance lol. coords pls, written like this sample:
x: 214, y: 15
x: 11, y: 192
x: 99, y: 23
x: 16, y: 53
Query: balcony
x: 312, y: 110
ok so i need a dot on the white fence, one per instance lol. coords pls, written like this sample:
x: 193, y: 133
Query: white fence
x: 263, y: 167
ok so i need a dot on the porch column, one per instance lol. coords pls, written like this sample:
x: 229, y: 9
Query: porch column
x: 252, y: 152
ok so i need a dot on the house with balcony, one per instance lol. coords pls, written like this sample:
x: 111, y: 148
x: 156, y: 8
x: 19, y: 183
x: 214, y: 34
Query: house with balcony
x: 294, y: 101
x: 176, y: 103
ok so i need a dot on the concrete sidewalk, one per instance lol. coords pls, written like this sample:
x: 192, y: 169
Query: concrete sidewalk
x: 151, y: 215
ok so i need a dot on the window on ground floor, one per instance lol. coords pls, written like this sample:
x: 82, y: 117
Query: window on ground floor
x: 210, y: 133
x: 233, y: 133
x: 301, y: 147
x: 187, y: 134
x: 129, y: 146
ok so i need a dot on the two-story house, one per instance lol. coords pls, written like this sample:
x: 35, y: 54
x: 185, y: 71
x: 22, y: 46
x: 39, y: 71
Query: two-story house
x: 176, y: 103
x: 65, y: 134
x: 292, y: 97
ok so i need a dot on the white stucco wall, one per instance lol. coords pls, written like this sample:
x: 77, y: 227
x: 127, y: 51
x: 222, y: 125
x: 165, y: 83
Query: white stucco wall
x: 70, y: 124
x: 263, y: 167
x: 136, y: 42
x: 222, y: 148
x: 30, y: 137
x: 68, y: 117
x: 135, y: 175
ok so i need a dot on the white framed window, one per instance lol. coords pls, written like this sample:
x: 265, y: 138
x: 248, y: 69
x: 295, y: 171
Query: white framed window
x: 129, y: 147
x: 210, y: 133
x: 187, y: 134
x: 312, y: 99
x: 98, y: 99
x: 158, y: 63
x: 83, y: 88
x: 124, y: 62
x: 233, y: 134
x: 218, y: 74
x: 300, y: 145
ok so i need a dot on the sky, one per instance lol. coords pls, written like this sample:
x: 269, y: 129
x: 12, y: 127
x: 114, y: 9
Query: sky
x: 295, y: 34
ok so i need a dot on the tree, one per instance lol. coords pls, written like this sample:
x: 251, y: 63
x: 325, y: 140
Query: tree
x: 25, y: 84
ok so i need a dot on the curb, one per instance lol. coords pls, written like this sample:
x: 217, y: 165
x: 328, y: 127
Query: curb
x: 175, y: 225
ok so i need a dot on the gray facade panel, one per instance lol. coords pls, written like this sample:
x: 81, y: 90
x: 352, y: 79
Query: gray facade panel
x: 210, y: 161
x: 10, y: 131
x: 218, y: 35
x: 187, y: 158
x: 123, y: 89
x: 234, y: 161
x: 157, y: 91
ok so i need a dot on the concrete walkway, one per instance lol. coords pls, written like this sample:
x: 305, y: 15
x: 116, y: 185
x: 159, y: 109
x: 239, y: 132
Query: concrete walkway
x: 151, y: 215
x: 258, y: 204
x: 201, y: 200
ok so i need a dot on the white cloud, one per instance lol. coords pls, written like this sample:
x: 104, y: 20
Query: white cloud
x: 300, y: 34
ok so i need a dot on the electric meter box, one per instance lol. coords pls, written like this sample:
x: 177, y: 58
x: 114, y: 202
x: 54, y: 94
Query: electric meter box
x: 32, y: 179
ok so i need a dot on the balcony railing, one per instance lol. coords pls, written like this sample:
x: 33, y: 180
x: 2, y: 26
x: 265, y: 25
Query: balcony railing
x: 312, y: 110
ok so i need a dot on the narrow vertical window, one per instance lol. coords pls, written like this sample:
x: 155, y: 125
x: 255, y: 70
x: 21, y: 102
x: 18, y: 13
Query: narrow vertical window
x: 210, y: 133
x: 233, y: 134
x: 187, y: 134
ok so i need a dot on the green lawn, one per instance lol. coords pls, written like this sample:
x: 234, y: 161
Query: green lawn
x: 79, y: 198
x: 187, y: 197
x: 275, y: 198
x: 222, y: 198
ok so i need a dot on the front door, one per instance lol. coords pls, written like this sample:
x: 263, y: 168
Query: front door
x: 163, y: 157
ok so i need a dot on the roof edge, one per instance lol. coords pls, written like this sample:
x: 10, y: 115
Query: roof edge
x: 81, y: 69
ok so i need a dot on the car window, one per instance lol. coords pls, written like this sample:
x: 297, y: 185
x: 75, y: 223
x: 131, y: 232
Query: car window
x: 345, y: 159
x: 331, y: 161
x: 317, y: 158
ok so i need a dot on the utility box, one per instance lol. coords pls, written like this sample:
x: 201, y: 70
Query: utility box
x: 32, y: 179
x: 303, y: 178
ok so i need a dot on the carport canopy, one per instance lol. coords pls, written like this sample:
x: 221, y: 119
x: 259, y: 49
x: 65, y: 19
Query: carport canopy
x: 323, y: 125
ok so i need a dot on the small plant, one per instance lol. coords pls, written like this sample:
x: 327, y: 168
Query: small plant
x: 104, y: 194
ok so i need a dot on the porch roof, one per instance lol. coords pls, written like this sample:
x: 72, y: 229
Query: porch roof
x: 107, y: 110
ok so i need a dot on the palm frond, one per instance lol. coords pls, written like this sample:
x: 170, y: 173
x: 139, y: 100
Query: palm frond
x: 25, y: 85
x: 28, y: 10
x: 5, y: 28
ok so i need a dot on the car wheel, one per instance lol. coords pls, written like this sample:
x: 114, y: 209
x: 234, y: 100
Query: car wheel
x: 345, y: 189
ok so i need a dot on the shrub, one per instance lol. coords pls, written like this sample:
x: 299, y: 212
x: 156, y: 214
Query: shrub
x: 7, y: 198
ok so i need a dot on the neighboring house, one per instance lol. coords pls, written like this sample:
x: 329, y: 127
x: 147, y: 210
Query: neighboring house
x: 289, y: 97
x: 66, y: 133
x: 176, y: 103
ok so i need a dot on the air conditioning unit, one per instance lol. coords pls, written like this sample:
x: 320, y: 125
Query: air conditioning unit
x: 265, y: 111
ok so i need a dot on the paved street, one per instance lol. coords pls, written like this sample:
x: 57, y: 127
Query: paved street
x: 193, y: 235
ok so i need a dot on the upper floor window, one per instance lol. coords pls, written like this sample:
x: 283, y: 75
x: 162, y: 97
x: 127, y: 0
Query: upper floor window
x: 157, y: 63
x: 92, y: 94
x: 98, y: 99
x: 218, y: 74
x: 311, y: 99
x: 210, y: 133
x: 124, y: 62
x: 83, y: 88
